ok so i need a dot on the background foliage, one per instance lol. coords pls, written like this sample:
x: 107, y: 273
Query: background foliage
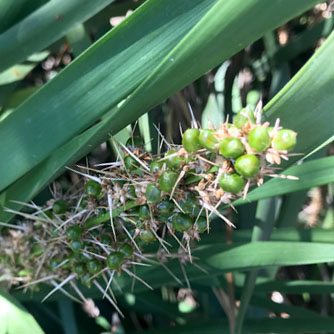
x: 71, y: 77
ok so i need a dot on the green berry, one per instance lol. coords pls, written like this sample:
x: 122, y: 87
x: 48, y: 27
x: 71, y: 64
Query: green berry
x: 79, y: 268
x: 182, y: 222
x: 54, y: 263
x: 165, y: 208
x: 259, y: 139
x: 94, y: 266
x: 153, y: 194
x: 76, y: 245
x: 167, y: 180
x: 190, y: 140
x: 115, y: 260
x: 232, y: 183
x: 156, y: 166
x: 144, y: 212
x: 147, y: 236
x: 285, y: 140
x: 106, y: 239
x: 247, y: 165
x: 201, y: 224
x: 174, y: 161
x: 74, y: 232
x: 130, y: 163
x: 59, y: 207
x: 93, y: 188
x: 243, y: 116
x: 207, y: 139
x: 85, y: 280
x: 189, y: 203
x: 126, y: 249
x: 231, y: 147
x: 131, y: 191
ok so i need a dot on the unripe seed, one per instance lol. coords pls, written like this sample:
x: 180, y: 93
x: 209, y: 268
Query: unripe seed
x: 231, y: 147
x: 182, y: 222
x: 94, y: 266
x: 144, y: 212
x: 54, y: 263
x: 201, y: 224
x: 59, y: 207
x: 190, y: 140
x: 147, y: 236
x: 79, y: 268
x: 232, y: 183
x: 153, y: 194
x: 76, y: 245
x: 259, y: 139
x: 247, y: 165
x: 106, y: 239
x: 207, y: 139
x: 93, y: 188
x: 165, y: 208
x: 74, y: 232
x: 189, y: 203
x: 126, y: 249
x: 174, y: 161
x: 156, y: 166
x: 167, y: 180
x: 243, y: 116
x: 85, y: 280
x: 130, y: 163
x: 115, y: 260
x: 285, y: 140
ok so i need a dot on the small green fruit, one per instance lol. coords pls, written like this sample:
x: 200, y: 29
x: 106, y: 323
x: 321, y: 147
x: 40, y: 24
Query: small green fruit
x: 156, y: 166
x: 243, y: 116
x: 167, y: 180
x: 59, y: 207
x: 153, y: 194
x: 259, y: 139
x: 285, y: 140
x: 54, y: 263
x: 165, y: 208
x: 189, y: 203
x: 130, y: 163
x: 79, y: 268
x: 115, y: 260
x: 94, y: 266
x: 247, y: 165
x: 74, y: 232
x: 93, y: 188
x: 85, y: 280
x: 201, y: 224
x: 147, y: 236
x: 190, y: 140
x: 182, y: 222
x: 144, y: 212
x: 231, y: 147
x: 126, y: 249
x: 106, y: 239
x: 174, y: 161
x: 76, y: 246
x: 232, y: 183
x: 207, y: 139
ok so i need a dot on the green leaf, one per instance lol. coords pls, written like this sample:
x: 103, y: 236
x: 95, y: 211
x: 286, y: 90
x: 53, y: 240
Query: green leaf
x: 14, y: 318
x: 43, y: 27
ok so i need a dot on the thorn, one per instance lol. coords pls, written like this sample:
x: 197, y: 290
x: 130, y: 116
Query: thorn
x: 111, y: 217
x: 138, y: 278
x: 58, y: 286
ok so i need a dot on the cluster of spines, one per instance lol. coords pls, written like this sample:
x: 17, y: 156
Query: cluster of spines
x: 142, y: 198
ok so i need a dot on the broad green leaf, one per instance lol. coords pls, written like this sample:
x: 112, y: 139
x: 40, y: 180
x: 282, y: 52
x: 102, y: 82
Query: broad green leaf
x: 14, y: 318
x: 43, y: 27
x: 156, y: 87
x: 117, y: 64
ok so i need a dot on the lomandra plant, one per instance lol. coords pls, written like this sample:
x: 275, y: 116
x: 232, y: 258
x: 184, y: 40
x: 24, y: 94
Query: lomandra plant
x: 141, y: 209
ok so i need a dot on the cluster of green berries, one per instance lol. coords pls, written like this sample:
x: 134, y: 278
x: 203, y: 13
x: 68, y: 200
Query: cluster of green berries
x: 150, y: 197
